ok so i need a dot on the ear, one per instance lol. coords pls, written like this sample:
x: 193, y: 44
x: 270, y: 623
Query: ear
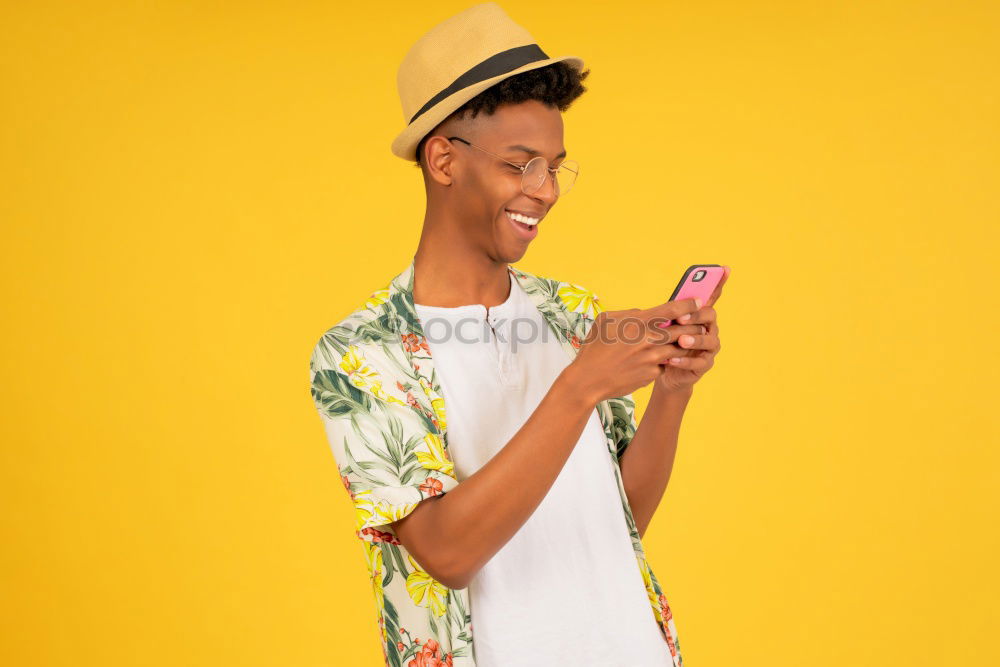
x: 439, y: 159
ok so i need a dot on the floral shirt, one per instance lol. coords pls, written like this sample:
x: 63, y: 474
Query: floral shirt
x: 374, y: 385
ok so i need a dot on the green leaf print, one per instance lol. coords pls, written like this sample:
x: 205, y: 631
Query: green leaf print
x: 336, y: 396
x: 389, y: 457
x: 396, y: 431
x: 397, y: 557
x: 455, y: 613
x: 359, y: 468
x: 405, y: 312
x: 329, y: 347
x: 413, y: 472
x: 377, y: 331
x: 388, y: 564
x: 391, y: 619
x: 395, y: 452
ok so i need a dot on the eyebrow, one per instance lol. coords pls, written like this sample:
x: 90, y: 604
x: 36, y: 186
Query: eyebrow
x: 531, y: 151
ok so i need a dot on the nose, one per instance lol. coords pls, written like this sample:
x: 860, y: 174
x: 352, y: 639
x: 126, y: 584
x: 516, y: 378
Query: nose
x: 549, y: 190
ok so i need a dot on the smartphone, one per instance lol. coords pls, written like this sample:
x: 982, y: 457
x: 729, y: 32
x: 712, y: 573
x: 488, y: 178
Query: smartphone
x: 698, y: 281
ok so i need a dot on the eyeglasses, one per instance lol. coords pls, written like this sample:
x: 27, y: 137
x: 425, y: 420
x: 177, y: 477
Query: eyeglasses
x: 533, y: 173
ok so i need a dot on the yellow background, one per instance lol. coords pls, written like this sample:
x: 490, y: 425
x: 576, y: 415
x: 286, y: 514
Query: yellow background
x: 193, y: 192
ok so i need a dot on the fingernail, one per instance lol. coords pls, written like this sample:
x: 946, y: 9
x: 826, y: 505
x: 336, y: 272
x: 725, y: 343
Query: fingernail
x: 686, y: 340
x: 684, y: 318
x: 697, y: 302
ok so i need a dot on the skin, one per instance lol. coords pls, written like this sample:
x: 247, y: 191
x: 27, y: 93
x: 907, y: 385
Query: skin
x: 465, y: 247
x: 466, y: 235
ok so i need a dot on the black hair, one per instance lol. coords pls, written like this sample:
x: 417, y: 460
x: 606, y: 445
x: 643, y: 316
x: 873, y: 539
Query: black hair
x: 557, y: 85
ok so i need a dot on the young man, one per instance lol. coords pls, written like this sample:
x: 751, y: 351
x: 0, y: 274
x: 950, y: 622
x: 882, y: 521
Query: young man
x: 520, y: 507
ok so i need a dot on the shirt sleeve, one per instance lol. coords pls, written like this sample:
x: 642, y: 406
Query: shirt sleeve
x: 387, y: 459
x: 623, y: 424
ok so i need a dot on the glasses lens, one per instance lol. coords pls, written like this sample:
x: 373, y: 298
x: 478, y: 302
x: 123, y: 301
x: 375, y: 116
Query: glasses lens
x: 535, y: 174
x: 566, y: 176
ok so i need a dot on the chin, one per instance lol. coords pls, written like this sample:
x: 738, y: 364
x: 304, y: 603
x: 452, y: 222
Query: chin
x: 506, y: 249
x: 517, y: 249
x: 516, y: 257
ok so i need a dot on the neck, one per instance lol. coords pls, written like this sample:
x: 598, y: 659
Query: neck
x: 449, y: 272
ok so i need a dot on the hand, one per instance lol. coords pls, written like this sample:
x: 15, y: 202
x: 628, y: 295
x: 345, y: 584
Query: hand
x: 695, y: 352
x: 624, y: 349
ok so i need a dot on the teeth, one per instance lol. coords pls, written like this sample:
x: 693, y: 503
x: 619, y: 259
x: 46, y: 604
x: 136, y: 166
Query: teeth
x: 523, y: 218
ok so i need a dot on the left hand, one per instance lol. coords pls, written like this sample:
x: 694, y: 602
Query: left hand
x: 697, y: 352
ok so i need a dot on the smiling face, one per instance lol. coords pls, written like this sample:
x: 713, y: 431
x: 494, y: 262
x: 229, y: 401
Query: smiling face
x: 473, y: 192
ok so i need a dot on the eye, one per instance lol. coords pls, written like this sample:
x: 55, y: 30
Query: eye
x: 521, y: 167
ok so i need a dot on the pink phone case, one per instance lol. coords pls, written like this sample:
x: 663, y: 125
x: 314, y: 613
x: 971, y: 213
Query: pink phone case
x: 698, y: 281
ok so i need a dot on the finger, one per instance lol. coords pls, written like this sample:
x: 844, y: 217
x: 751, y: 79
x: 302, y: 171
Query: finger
x: 667, y: 335
x: 691, y: 363
x: 717, y: 292
x: 704, y: 315
x: 659, y: 337
x: 698, y: 342
x: 664, y: 354
x: 662, y: 314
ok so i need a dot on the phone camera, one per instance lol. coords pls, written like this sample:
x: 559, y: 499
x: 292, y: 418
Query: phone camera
x: 698, y: 275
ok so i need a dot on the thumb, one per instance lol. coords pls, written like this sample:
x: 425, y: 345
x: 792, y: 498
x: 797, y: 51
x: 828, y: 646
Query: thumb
x: 671, y: 310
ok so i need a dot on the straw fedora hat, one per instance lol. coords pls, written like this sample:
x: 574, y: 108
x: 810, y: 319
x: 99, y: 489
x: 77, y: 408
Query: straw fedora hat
x: 456, y: 60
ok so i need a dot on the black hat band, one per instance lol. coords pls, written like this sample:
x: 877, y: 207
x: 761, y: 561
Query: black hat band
x: 501, y: 63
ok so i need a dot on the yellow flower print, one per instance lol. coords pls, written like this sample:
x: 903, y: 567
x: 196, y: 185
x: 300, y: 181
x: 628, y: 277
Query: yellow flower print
x: 378, y: 391
x: 387, y: 513
x: 373, y: 559
x: 579, y: 300
x: 363, y: 376
x: 356, y: 368
x: 437, y: 404
x: 654, y: 597
x: 425, y: 590
x: 377, y: 297
x: 435, y: 457
x: 363, y: 508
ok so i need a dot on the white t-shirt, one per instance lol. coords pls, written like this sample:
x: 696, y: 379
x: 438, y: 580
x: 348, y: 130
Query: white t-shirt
x: 566, y: 589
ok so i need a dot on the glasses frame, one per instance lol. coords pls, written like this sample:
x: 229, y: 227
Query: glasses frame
x: 524, y: 169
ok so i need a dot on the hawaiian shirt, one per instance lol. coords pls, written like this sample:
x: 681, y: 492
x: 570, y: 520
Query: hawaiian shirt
x: 375, y: 387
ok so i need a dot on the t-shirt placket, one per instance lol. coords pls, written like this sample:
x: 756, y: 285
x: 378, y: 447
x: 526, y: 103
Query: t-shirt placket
x: 500, y: 347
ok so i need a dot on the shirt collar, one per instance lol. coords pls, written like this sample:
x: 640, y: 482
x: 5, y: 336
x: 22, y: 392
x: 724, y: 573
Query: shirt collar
x: 400, y: 307
x: 400, y: 298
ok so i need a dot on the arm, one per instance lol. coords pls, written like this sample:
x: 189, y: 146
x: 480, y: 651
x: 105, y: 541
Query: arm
x: 454, y: 529
x: 455, y: 534
x: 649, y: 457
x: 465, y: 527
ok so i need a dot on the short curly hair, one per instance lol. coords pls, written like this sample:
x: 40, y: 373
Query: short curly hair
x: 557, y: 85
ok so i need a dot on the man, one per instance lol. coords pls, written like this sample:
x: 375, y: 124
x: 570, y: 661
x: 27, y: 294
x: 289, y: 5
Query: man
x: 518, y: 509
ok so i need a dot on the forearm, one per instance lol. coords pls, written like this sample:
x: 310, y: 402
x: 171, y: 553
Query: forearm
x: 649, y: 457
x: 487, y: 509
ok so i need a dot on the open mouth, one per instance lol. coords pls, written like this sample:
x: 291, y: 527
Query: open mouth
x: 528, y: 227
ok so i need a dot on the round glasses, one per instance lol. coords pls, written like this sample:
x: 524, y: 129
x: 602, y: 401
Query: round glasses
x: 533, y: 173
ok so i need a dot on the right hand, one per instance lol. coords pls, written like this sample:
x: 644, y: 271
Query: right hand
x: 624, y: 349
